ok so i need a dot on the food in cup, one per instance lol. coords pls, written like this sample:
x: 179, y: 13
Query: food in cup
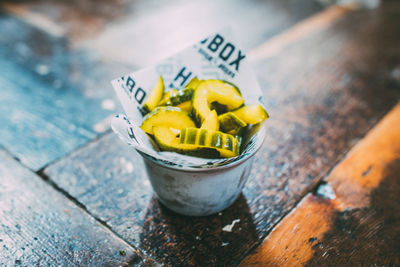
x: 207, y: 118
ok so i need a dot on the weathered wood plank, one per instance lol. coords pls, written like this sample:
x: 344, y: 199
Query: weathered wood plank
x: 49, y: 105
x: 40, y: 123
x: 361, y: 225
x: 39, y: 226
x: 324, y: 91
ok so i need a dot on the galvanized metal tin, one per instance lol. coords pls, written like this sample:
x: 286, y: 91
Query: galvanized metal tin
x: 200, y: 192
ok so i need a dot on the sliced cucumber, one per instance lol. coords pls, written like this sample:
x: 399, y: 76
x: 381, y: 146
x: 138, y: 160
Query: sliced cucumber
x: 200, y: 108
x: 227, y: 145
x: 193, y: 83
x: 219, y: 108
x: 224, y: 94
x: 185, y: 106
x: 182, y: 96
x: 172, y: 117
x: 233, y: 85
x: 155, y: 96
x: 175, y: 97
x: 168, y: 140
x: 230, y: 123
x: 251, y: 114
x: 166, y: 99
x: 211, y: 91
x: 211, y: 122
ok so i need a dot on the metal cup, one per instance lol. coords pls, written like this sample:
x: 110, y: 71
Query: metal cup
x: 200, y: 192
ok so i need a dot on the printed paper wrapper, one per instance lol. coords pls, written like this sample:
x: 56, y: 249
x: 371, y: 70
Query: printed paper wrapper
x: 216, y: 57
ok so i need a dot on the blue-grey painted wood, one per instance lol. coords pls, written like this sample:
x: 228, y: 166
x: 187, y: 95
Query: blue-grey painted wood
x: 52, y: 99
x: 41, y: 227
x: 40, y: 123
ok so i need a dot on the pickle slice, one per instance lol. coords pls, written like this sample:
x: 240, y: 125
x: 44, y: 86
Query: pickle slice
x: 185, y: 106
x: 166, y: 116
x: 211, y: 122
x: 193, y: 83
x: 181, y: 96
x: 230, y: 123
x: 154, y: 97
x: 251, y: 114
x: 200, y: 108
x: 166, y: 99
x: 227, y: 145
x: 175, y: 97
x: 168, y: 140
x: 210, y: 91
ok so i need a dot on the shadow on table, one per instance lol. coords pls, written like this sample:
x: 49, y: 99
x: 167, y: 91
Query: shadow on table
x: 176, y: 239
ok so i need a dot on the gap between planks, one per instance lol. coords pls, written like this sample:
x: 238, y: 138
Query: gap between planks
x: 41, y: 176
x: 83, y: 146
x: 141, y: 253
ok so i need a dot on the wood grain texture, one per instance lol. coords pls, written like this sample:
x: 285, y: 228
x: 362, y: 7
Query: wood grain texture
x: 311, y: 87
x: 367, y: 165
x: 49, y: 104
x: 361, y: 225
x: 291, y: 242
x: 40, y: 123
x: 39, y: 226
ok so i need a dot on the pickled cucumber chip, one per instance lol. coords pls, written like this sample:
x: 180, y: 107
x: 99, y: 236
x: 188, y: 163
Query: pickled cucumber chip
x: 210, y: 91
x: 211, y: 122
x: 155, y: 96
x: 227, y: 145
x: 216, y: 106
x: 168, y: 140
x: 230, y: 123
x: 166, y: 116
x: 251, y: 114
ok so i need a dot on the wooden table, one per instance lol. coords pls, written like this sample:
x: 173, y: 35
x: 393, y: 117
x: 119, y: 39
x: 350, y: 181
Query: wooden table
x: 324, y: 189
